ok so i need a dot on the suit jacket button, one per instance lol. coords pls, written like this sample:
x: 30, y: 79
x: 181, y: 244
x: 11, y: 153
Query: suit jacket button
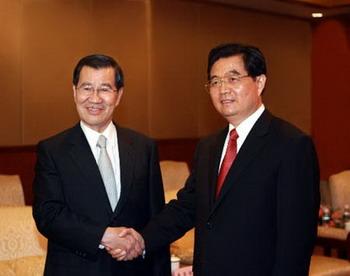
x: 209, y: 225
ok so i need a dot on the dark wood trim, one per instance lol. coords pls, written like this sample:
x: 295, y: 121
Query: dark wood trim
x: 181, y: 149
x: 17, y: 149
x: 21, y: 159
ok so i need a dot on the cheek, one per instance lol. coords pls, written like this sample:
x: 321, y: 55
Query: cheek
x: 214, y: 98
x: 80, y: 100
x: 110, y: 101
x: 243, y: 95
x: 248, y: 100
x: 75, y: 97
x: 110, y: 106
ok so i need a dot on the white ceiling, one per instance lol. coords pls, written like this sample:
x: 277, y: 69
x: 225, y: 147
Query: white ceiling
x: 297, y: 8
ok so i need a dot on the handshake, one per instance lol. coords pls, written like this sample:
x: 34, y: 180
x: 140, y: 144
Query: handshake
x: 123, y: 244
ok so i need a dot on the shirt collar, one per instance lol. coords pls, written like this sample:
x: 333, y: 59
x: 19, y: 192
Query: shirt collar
x: 92, y: 136
x: 244, y: 127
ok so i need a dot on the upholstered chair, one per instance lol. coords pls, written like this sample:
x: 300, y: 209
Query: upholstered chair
x: 22, y: 247
x: 11, y: 191
x: 339, y: 185
x: 174, y: 174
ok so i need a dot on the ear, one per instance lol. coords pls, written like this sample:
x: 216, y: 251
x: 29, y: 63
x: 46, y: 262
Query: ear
x: 261, y: 81
x: 74, y: 92
x: 119, y: 96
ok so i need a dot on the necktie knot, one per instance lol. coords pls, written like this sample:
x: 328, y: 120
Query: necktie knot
x: 101, y: 143
x: 233, y: 134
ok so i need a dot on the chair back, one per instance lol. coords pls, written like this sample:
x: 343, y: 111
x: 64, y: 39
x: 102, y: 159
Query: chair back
x: 19, y: 236
x: 174, y: 174
x: 11, y: 191
x: 339, y: 185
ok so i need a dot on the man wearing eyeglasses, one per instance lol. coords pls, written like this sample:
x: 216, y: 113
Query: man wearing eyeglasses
x: 94, y: 178
x: 252, y: 194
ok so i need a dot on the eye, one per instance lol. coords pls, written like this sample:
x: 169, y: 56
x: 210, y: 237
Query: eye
x: 104, y: 89
x: 87, y: 89
x: 214, y: 82
x: 232, y: 79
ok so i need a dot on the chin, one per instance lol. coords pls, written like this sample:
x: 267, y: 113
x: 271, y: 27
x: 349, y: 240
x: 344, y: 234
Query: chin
x: 229, y: 113
x: 93, y: 122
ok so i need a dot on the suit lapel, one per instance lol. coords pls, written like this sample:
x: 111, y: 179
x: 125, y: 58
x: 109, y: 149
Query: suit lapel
x: 214, y: 162
x: 127, y: 161
x: 81, y: 154
x: 254, y: 142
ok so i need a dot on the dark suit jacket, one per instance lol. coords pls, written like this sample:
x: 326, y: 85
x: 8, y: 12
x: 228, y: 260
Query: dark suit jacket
x: 265, y: 220
x: 72, y: 210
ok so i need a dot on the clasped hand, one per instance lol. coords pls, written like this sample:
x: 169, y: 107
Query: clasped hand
x: 124, y: 244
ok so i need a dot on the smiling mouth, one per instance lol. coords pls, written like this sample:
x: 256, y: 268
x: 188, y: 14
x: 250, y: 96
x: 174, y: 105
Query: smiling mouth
x: 94, y: 110
x: 227, y: 101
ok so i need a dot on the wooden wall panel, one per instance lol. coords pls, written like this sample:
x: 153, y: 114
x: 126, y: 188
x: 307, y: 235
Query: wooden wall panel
x: 331, y: 94
x: 286, y: 44
x: 121, y: 30
x: 182, y: 35
x: 162, y: 46
x: 55, y: 35
x: 10, y: 73
x: 176, y: 81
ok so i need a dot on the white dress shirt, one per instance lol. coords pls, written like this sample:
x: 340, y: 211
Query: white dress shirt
x: 112, y: 148
x: 243, y: 130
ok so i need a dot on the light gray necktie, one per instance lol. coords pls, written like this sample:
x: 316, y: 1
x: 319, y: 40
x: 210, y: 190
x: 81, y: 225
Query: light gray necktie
x: 107, y: 173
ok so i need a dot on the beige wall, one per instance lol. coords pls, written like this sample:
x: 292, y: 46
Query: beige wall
x: 162, y: 47
x: 10, y: 73
x: 183, y: 34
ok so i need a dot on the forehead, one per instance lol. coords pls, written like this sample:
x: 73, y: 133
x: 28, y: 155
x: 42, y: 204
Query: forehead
x: 91, y: 74
x: 223, y: 66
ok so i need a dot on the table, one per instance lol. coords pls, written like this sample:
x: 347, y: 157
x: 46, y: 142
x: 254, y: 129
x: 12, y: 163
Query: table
x: 336, y: 238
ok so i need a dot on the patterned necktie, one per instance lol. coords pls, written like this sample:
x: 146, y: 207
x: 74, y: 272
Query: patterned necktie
x: 230, y: 156
x: 107, y: 173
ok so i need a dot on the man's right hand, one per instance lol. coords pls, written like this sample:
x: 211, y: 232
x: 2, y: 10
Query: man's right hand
x: 123, y: 243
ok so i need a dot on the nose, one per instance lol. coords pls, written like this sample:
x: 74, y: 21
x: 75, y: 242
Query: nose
x: 223, y: 87
x: 95, y: 97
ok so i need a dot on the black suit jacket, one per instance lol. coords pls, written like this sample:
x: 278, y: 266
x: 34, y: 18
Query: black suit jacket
x: 265, y: 220
x: 72, y: 210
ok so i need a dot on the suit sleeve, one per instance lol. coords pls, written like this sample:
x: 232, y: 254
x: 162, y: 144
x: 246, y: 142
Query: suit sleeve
x: 160, y: 258
x: 175, y: 220
x: 54, y: 218
x: 297, y: 208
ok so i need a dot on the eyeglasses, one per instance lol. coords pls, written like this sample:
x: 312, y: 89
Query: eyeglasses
x: 230, y: 80
x: 101, y: 90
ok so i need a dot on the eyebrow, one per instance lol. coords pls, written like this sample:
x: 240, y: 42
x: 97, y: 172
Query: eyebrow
x: 86, y: 83
x: 106, y: 84
x: 232, y: 72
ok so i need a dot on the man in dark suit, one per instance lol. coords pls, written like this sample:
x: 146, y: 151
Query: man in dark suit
x: 94, y: 178
x: 253, y: 192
